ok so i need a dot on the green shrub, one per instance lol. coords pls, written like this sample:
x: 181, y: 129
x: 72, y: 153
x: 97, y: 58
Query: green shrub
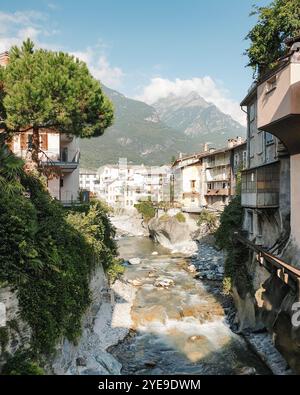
x: 236, y: 253
x: 164, y: 218
x: 147, y: 210
x: 180, y: 217
x: 48, y: 255
x: 115, y: 270
x: 4, y: 339
x: 22, y: 364
x: 209, y: 218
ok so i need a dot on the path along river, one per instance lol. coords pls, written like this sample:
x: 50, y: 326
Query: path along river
x: 179, y: 329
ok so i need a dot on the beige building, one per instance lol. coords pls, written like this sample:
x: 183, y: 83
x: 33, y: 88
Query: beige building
x: 208, y: 179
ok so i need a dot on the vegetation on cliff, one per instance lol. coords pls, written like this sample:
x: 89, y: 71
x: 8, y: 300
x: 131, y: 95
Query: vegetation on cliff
x: 236, y: 253
x: 276, y: 23
x: 147, y: 209
x: 48, y: 254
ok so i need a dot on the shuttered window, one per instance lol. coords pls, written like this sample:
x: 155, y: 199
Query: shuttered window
x: 23, y: 141
x: 44, y: 142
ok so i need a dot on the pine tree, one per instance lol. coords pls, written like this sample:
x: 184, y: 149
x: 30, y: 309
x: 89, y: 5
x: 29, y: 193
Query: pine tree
x: 52, y: 90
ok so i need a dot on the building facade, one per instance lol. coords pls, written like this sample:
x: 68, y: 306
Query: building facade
x: 123, y: 185
x: 89, y: 181
x: 208, y: 179
x: 271, y: 202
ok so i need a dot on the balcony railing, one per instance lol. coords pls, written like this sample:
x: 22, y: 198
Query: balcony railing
x: 260, y: 186
x: 218, y: 192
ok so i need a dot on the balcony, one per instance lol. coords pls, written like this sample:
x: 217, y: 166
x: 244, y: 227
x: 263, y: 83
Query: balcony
x: 278, y: 110
x: 260, y: 186
x: 218, y: 192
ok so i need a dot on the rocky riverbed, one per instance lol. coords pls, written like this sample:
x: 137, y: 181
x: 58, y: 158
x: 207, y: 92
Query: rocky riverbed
x: 179, y: 320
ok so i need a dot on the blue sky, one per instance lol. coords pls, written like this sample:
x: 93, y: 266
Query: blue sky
x: 145, y: 48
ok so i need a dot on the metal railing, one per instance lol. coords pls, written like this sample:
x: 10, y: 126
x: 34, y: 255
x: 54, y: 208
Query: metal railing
x: 286, y: 272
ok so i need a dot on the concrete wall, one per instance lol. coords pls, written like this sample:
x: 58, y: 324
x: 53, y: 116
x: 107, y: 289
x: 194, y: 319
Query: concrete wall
x: 276, y: 103
x: 295, y: 199
x: 70, y: 189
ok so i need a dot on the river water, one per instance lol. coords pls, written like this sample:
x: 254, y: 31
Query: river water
x: 179, y: 329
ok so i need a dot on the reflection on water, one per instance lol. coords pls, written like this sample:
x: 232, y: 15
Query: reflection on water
x: 179, y: 329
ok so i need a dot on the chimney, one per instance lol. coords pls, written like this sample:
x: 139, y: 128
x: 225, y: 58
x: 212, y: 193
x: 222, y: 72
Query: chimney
x: 180, y: 155
x: 4, y: 58
x: 206, y: 147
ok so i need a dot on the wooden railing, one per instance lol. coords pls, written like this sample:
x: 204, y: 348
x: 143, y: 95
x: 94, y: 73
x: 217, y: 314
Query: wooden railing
x: 286, y: 272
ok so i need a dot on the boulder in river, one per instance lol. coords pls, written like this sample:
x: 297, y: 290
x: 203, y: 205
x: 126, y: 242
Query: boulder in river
x: 169, y: 232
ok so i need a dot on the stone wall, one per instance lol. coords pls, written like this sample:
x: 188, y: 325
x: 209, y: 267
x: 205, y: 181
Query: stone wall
x: 14, y: 333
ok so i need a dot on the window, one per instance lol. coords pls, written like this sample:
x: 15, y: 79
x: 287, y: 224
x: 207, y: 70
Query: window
x: 252, y: 112
x: 250, y: 221
x: 30, y: 141
x: 269, y: 138
x: 244, y: 159
x: 193, y: 184
x: 271, y: 84
x: 236, y: 159
x: 61, y: 182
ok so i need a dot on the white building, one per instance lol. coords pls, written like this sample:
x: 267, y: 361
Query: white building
x: 124, y: 185
x: 58, y: 151
x: 89, y: 181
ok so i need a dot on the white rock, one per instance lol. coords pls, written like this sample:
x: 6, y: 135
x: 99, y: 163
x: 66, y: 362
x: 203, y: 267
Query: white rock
x: 155, y: 253
x: 134, y: 261
x: 192, y: 269
x: 164, y: 283
x: 136, y: 283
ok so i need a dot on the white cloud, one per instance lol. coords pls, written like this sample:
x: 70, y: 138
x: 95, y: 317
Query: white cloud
x: 100, y: 67
x: 206, y: 87
x: 15, y: 27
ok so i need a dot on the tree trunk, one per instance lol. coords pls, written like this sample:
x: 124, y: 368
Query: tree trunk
x: 35, y: 144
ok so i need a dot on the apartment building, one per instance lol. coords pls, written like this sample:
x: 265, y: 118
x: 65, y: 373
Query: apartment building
x: 208, y: 179
x: 89, y: 181
x: 58, y: 151
x: 271, y: 201
x: 124, y: 185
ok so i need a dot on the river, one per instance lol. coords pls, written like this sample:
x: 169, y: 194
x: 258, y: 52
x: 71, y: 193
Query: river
x: 179, y: 329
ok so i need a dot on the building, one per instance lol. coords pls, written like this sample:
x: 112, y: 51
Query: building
x: 89, y: 181
x: 124, y: 185
x: 61, y: 153
x: 271, y: 202
x: 58, y: 151
x: 208, y: 179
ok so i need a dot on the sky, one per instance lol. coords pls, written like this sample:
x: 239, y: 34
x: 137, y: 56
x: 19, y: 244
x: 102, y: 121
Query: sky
x: 145, y: 49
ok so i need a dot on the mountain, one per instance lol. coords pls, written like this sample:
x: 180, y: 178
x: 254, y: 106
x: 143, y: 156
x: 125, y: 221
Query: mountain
x: 154, y: 134
x: 137, y: 134
x: 198, y: 119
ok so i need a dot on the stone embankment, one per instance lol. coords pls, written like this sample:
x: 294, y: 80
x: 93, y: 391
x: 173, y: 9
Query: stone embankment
x: 107, y: 322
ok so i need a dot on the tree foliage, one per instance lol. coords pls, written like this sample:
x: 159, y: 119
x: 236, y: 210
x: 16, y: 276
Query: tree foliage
x: 276, y: 23
x: 52, y: 90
